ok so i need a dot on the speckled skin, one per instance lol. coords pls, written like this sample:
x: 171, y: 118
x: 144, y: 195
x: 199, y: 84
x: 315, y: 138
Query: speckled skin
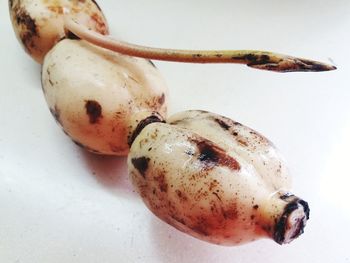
x: 210, y: 177
x: 39, y: 24
x: 98, y: 96
x: 256, y: 149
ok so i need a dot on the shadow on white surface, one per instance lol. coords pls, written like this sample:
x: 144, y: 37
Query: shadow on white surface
x: 111, y: 172
x: 171, y: 245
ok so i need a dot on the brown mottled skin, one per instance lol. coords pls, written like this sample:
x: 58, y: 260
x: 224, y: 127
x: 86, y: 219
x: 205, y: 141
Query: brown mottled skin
x: 154, y: 117
x: 102, y: 100
x: 215, y: 179
x: 28, y: 28
x: 211, y: 155
x: 39, y: 24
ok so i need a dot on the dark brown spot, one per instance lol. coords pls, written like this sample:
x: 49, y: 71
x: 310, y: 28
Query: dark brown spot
x: 196, y: 55
x: 230, y: 213
x: 227, y: 123
x: 264, y: 58
x: 179, y: 193
x: 218, y: 55
x: 28, y: 27
x: 256, y: 207
x: 161, y: 99
x: 49, y: 76
x: 93, y: 110
x: 181, y: 196
x: 246, y: 58
x: 252, y: 59
x: 10, y: 3
x: 210, y: 155
x: 141, y: 164
x: 163, y: 186
x: 142, y: 124
x: 213, y: 184
x: 222, y: 124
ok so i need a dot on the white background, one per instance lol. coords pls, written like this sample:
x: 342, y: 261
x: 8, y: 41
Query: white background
x: 61, y: 204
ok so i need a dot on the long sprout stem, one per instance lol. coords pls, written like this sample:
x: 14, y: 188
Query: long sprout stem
x: 253, y: 58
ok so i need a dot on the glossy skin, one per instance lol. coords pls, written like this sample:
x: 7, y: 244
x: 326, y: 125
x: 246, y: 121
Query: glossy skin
x: 97, y: 95
x: 222, y: 188
x: 232, y: 136
x: 39, y: 24
x: 203, y: 173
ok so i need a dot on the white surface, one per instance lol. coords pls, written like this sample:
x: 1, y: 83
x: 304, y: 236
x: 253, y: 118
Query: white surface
x: 61, y: 204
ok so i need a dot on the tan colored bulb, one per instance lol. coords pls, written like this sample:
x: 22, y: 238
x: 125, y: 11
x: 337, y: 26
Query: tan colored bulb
x: 98, y: 96
x: 39, y: 24
x: 216, y: 180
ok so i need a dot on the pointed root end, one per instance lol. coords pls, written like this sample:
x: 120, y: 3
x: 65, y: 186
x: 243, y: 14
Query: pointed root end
x: 291, y: 64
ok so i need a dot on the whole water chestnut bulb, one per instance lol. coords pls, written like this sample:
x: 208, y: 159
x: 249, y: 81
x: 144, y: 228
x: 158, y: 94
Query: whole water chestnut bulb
x: 215, y: 179
x: 39, y: 24
x: 98, y: 96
